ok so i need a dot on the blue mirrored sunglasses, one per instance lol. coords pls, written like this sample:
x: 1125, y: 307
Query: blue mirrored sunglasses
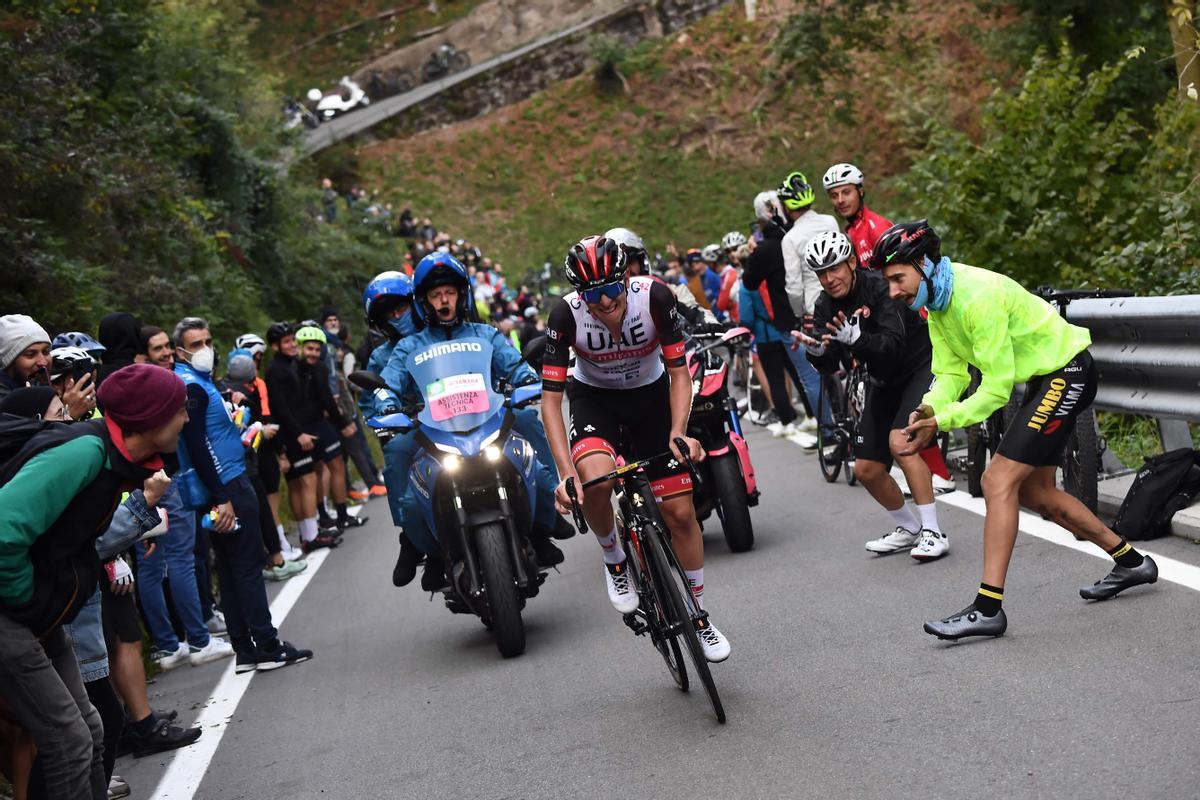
x: 612, y: 291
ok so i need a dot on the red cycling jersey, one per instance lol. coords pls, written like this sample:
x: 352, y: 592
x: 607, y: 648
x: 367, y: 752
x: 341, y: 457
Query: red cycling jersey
x: 863, y: 231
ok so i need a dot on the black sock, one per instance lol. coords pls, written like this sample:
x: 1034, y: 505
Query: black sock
x: 1126, y: 556
x: 341, y: 510
x: 988, y: 601
x: 143, y: 727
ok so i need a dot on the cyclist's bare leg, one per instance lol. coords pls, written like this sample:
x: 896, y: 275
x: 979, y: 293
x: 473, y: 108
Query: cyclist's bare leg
x: 597, y: 500
x: 1040, y: 493
x: 761, y: 375
x: 874, y: 476
x: 1001, y: 492
x: 916, y: 471
x: 686, y: 538
x: 302, y: 494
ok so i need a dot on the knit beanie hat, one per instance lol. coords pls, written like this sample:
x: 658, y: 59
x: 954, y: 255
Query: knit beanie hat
x: 18, y: 331
x: 141, y: 397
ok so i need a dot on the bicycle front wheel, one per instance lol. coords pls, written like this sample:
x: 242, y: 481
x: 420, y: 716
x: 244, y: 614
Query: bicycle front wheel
x: 669, y: 575
x: 1081, y: 462
x: 830, y: 452
x: 653, y: 604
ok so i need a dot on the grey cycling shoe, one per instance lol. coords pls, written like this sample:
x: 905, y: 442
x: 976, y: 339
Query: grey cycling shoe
x: 1120, y: 579
x: 967, y: 622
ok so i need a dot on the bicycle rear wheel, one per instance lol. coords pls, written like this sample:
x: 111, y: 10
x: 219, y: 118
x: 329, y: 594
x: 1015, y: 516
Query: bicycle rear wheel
x: 830, y: 399
x: 670, y: 576
x: 1081, y: 461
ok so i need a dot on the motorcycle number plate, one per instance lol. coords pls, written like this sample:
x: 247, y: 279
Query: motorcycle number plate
x: 457, y: 394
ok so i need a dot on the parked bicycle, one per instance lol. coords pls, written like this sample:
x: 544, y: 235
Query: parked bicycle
x: 667, y: 610
x: 844, y: 394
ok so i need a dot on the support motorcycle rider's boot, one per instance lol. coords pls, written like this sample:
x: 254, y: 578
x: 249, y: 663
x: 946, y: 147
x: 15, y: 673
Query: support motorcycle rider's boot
x: 433, y: 577
x: 406, y: 563
x: 548, y: 554
x: 562, y: 528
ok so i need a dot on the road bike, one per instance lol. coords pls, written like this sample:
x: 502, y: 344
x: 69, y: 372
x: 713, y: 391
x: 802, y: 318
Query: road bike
x: 667, y: 610
x: 844, y: 393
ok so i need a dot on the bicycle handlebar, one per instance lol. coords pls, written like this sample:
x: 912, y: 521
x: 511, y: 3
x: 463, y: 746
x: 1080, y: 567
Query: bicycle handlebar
x: 1051, y: 294
x: 572, y: 492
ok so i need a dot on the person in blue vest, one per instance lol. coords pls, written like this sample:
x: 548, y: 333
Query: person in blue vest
x: 213, y: 475
x: 442, y: 295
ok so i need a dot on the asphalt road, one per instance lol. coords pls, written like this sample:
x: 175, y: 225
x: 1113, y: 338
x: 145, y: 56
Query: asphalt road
x: 832, y: 691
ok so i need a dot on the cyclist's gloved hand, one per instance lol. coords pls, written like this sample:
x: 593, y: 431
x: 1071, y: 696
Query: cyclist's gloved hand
x: 120, y: 576
x: 845, y: 330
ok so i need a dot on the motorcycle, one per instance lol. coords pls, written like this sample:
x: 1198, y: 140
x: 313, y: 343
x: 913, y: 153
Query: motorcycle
x: 728, y: 486
x: 348, y: 97
x: 473, y: 478
x: 389, y: 82
x: 296, y: 114
x: 444, y: 61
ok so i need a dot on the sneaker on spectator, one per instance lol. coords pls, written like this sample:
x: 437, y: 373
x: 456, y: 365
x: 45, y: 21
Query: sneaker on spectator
x: 292, y: 553
x: 359, y: 494
x: 379, y: 490
x: 118, y: 787
x: 216, y: 623
x: 216, y: 648
x: 322, y: 540
x: 167, y: 660
x: 809, y: 425
x: 942, y: 485
x: 284, y: 655
x: 163, y: 737
x: 288, y: 569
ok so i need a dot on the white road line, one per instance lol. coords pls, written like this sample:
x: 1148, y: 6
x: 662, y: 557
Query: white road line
x: 1169, y: 569
x: 189, y: 765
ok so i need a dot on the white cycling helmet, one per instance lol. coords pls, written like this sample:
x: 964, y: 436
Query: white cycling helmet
x: 252, y: 342
x: 827, y: 249
x: 842, y: 175
x: 711, y: 253
x: 64, y: 359
x: 733, y: 240
x: 767, y: 206
x: 632, y: 243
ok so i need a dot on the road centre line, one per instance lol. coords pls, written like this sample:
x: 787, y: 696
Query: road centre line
x: 189, y: 765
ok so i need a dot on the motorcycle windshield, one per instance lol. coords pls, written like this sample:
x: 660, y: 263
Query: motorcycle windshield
x: 455, y: 378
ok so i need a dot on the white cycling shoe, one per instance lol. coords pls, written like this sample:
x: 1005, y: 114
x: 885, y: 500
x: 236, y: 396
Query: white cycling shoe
x: 894, y: 542
x: 931, y: 545
x: 714, y: 643
x: 621, y: 593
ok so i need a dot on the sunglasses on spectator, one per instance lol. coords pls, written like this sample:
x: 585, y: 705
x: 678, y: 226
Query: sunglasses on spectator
x: 611, y: 290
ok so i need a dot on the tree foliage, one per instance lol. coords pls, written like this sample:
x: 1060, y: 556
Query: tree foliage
x: 1059, y: 189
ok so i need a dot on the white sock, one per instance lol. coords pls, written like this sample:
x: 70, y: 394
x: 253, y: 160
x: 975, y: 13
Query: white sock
x: 929, y: 517
x: 611, y: 545
x: 905, y: 518
x: 308, y: 529
x: 696, y: 579
x: 284, y: 544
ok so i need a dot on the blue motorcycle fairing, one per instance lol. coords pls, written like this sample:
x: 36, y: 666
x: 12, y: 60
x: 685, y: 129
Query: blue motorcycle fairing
x: 386, y: 421
x: 467, y: 443
x: 455, y: 379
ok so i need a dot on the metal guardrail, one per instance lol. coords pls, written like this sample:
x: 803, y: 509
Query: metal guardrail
x: 1147, y: 350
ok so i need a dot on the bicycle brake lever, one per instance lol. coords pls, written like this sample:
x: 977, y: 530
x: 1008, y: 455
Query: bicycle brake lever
x: 681, y: 445
x: 576, y: 511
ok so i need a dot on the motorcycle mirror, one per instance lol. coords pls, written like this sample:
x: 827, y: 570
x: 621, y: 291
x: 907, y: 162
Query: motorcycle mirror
x: 365, y: 379
x: 525, y: 394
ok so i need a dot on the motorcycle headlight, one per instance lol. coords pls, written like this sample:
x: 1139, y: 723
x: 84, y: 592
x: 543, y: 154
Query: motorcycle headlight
x: 451, y: 463
x: 491, y: 452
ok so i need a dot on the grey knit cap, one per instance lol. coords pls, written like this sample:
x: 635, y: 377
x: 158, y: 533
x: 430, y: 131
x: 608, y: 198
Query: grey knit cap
x: 18, y: 331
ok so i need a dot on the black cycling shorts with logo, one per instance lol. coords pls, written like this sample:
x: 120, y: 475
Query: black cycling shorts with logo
x: 597, y: 416
x: 327, y: 447
x: 1039, y: 432
x: 888, y: 408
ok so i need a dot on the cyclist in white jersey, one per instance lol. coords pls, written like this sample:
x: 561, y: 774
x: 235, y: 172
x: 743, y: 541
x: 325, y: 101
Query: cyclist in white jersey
x: 622, y: 329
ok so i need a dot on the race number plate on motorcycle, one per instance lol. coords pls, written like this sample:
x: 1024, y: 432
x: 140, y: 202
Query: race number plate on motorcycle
x: 457, y: 394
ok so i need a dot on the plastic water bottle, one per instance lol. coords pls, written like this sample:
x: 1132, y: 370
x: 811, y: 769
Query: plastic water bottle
x: 208, y: 520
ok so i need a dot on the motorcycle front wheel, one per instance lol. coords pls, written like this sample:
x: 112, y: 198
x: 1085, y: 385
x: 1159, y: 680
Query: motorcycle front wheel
x: 499, y: 580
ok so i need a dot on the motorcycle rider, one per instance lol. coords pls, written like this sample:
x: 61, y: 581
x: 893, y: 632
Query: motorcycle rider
x: 442, y: 291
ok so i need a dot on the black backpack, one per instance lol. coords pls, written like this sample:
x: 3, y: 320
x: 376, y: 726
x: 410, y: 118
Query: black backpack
x: 1164, y: 485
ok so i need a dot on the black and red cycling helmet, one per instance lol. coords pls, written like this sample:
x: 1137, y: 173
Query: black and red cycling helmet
x: 906, y: 243
x: 595, y: 261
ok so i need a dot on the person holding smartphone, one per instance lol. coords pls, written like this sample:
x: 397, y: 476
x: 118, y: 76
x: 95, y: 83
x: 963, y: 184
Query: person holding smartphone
x: 857, y: 319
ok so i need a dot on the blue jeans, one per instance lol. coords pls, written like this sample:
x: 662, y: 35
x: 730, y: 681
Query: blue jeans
x: 174, y: 557
x: 240, y: 559
x: 810, y: 381
x: 87, y: 639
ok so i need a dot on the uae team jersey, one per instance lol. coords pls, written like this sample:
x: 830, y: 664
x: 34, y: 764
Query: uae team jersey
x: 650, y: 333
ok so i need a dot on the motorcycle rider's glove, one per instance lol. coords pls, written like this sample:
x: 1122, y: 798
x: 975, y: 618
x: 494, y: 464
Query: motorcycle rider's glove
x: 386, y: 401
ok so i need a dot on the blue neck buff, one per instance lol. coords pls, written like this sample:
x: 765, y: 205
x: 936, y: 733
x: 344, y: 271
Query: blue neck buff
x: 942, y: 277
x: 404, y: 325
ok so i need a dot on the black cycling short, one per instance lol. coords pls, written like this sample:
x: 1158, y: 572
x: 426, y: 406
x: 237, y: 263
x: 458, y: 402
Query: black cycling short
x: 1039, y: 431
x: 888, y: 408
x: 597, y: 416
x: 118, y: 617
x: 327, y: 447
x: 268, y: 465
